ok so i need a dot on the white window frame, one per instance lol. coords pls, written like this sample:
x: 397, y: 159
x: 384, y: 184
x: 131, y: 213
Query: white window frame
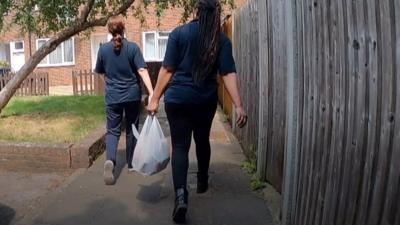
x: 157, y: 37
x: 48, y: 64
x: 14, y: 50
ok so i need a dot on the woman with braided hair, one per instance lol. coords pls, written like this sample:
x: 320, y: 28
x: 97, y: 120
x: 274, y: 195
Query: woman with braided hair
x: 196, y: 53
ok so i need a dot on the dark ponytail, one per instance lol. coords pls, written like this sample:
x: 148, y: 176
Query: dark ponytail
x: 209, y: 15
x: 116, y: 26
x: 117, y: 40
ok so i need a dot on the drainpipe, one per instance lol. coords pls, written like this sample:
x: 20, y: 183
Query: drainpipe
x: 30, y: 43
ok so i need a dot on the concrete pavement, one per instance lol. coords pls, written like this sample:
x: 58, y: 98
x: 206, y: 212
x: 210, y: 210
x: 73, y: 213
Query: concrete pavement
x: 135, y: 199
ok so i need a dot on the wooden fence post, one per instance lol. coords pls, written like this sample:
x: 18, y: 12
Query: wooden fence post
x: 74, y: 82
x: 292, y: 126
x: 263, y: 66
x: 47, y: 84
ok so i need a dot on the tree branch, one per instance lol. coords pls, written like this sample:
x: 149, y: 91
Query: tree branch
x: 103, y: 20
x: 123, y: 8
x: 86, y: 10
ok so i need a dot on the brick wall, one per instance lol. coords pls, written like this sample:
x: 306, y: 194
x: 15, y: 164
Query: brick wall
x: 15, y: 156
x: 62, y: 75
x: 34, y: 156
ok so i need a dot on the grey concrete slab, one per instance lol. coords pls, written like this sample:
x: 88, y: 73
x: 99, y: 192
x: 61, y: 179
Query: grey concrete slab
x: 21, y: 192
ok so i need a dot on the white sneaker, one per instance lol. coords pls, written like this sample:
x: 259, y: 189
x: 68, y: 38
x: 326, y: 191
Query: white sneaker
x: 108, y: 172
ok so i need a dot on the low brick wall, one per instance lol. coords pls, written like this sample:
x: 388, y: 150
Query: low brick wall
x: 34, y: 156
x: 86, y: 151
x: 45, y: 156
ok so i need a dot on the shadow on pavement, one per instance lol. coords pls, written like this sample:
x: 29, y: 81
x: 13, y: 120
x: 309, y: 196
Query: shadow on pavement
x: 150, y: 193
x: 6, y: 214
x: 121, y: 163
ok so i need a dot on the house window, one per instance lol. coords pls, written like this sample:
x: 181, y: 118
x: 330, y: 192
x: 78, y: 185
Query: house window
x: 154, y: 45
x: 18, y: 46
x: 63, y: 55
x: 4, y: 55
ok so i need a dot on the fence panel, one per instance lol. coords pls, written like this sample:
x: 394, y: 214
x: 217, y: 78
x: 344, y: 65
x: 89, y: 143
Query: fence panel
x: 349, y: 132
x: 262, y: 84
x: 346, y: 59
x: 86, y: 82
x: 35, y: 84
x: 223, y: 95
x: 245, y: 39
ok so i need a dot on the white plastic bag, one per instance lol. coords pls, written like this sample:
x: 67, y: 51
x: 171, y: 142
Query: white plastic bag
x: 151, y: 152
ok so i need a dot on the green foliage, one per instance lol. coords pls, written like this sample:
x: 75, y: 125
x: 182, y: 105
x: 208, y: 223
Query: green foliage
x: 44, y: 17
x: 257, y: 183
x: 250, y: 166
x: 41, y: 16
x: 4, y: 64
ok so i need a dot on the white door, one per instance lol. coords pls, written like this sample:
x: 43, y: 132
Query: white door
x: 17, y: 54
x: 97, y: 40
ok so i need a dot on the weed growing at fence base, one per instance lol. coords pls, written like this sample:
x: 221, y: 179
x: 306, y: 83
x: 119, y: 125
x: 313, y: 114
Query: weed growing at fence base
x: 256, y: 183
x: 250, y: 167
x: 54, y: 119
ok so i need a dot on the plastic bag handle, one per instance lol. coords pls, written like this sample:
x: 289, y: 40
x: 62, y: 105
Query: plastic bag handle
x: 147, y: 123
x: 158, y: 127
x: 135, y: 132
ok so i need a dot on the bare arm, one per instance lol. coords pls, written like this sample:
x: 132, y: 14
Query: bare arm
x: 164, y: 76
x: 144, y: 74
x: 231, y: 84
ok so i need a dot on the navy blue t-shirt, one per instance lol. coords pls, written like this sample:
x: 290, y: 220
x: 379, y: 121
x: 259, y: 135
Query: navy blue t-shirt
x: 121, y: 71
x: 181, y: 54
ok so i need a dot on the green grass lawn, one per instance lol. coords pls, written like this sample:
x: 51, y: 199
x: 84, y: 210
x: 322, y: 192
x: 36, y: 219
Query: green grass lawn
x: 55, y: 119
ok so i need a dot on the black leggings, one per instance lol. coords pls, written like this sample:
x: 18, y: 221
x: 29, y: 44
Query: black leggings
x: 183, y: 120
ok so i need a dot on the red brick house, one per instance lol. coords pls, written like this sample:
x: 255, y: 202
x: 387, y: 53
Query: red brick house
x: 80, y: 52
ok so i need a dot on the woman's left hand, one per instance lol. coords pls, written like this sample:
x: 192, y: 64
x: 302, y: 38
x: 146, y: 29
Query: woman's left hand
x: 153, y: 106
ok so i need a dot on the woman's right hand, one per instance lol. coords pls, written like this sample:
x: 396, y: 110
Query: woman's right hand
x: 241, y: 116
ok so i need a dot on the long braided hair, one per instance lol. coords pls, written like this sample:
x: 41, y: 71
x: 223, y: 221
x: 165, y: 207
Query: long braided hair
x: 209, y: 16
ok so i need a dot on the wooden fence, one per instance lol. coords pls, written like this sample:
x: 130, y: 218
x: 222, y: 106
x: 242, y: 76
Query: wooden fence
x: 225, y: 99
x: 349, y: 112
x: 263, y: 89
x: 329, y: 102
x: 34, y: 84
x: 86, y: 82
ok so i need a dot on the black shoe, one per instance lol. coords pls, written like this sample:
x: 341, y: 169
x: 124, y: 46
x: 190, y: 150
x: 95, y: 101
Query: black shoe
x: 202, y: 183
x: 181, y: 206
